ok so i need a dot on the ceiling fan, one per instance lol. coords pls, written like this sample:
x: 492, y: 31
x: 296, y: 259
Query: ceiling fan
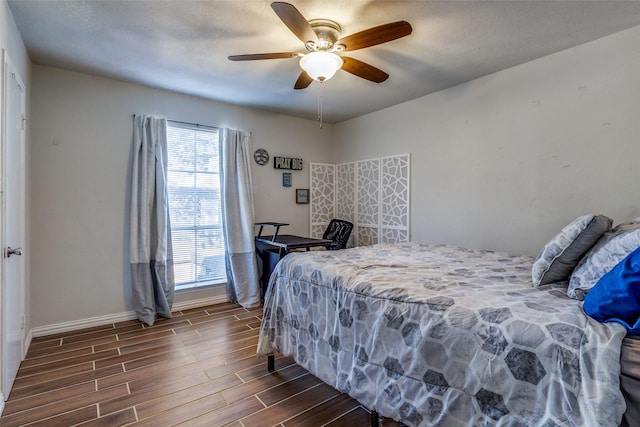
x: 322, y: 41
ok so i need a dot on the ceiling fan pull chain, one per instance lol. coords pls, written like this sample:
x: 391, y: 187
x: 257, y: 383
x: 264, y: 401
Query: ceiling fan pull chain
x: 319, y: 92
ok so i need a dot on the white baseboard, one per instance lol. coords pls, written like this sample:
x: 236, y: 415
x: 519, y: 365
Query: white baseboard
x: 200, y: 302
x: 1, y: 403
x: 27, y: 343
x: 41, y: 331
x: 56, y: 328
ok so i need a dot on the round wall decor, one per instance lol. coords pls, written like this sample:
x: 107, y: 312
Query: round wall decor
x: 261, y: 156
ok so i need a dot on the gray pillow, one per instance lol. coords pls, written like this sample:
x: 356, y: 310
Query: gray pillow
x: 561, y: 254
x: 608, y: 251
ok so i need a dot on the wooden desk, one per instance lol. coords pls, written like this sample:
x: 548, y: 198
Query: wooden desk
x: 287, y: 242
x: 275, y: 225
x: 271, y: 249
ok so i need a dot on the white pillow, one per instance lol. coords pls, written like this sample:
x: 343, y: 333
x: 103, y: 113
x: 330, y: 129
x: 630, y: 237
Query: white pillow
x: 561, y: 254
x: 608, y: 251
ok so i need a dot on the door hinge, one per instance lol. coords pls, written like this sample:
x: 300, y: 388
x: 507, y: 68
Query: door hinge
x: 24, y: 122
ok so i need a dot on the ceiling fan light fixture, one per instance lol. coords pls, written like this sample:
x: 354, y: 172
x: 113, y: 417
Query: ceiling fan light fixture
x: 321, y: 65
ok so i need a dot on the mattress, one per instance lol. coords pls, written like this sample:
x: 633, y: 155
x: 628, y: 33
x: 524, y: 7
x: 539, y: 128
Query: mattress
x: 440, y: 335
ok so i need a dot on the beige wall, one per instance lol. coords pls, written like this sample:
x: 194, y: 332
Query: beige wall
x: 504, y: 161
x: 80, y: 160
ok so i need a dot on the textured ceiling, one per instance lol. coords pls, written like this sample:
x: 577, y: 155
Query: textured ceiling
x: 183, y: 45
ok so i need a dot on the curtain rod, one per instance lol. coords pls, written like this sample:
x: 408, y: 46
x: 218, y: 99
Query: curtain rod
x: 191, y: 124
x: 187, y: 123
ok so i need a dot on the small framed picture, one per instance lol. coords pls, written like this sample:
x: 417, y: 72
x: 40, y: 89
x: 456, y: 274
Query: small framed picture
x: 302, y: 196
x: 286, y: 179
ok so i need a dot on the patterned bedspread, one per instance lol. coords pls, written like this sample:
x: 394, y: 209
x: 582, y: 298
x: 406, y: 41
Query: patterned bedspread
x: 439, y: 335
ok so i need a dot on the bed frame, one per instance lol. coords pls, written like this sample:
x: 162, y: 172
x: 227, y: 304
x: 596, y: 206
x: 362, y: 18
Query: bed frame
x: 271, y: 367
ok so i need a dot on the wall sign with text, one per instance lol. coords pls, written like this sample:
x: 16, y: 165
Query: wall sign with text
x: 287, y: 163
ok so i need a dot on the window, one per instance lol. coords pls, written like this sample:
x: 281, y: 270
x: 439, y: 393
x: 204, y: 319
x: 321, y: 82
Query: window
x: 195, y: 205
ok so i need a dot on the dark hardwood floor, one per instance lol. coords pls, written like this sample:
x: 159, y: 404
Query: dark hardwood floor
x: 199, y: 368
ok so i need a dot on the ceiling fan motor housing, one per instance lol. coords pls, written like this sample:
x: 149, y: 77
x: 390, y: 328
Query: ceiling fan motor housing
x: 327, y: 31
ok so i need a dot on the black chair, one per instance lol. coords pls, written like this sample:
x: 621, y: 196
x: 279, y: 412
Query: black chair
x: 339, y: 231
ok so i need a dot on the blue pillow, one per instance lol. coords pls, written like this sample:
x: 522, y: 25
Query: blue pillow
x: 616, y: 296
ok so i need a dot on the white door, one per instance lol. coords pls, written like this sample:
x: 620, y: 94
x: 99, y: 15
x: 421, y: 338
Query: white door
x: 13, y: 225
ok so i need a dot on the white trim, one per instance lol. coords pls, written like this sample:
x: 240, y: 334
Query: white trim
x: 200, y: 302
x: 1, y: 403
x: 27, y: 343
x: 56, y: 328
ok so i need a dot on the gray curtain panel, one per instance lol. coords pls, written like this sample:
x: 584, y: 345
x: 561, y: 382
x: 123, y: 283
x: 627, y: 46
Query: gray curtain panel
x: 238, y: 217
x: 151, y: 254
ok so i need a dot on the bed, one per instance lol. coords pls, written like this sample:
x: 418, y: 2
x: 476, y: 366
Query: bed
x: 430, y: 334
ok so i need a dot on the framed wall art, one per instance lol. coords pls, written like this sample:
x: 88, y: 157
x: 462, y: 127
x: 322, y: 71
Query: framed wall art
x: 302, y: 196
x: 286, y: 179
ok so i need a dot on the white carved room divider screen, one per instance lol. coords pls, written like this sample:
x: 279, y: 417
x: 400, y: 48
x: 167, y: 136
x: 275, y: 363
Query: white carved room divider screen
x: 373, y: 194
x: 322, y: 199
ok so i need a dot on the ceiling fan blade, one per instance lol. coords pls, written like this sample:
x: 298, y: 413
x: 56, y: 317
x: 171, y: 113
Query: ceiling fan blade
x: 376, y: 35
x: 257, y: 56
x: 303, y: 82
x: 294, y: 20
x: 364, y: 70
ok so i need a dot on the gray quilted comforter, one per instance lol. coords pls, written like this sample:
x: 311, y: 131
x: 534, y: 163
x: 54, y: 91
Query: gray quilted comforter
x: 439, y: 335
